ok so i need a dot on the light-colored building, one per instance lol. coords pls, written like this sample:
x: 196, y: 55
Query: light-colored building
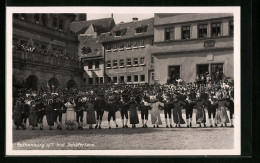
x: 187, y: 45
x: 128, y: 52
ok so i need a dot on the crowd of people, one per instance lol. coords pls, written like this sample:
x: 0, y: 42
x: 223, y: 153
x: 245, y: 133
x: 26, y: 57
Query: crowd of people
x: 27, y: 47
x: 169, y: 99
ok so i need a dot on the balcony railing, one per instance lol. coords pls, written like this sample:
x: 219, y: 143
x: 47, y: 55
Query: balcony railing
x: 19, y: 56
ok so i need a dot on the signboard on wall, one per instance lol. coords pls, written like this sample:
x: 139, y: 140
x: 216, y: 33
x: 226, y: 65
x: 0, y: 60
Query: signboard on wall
x: 210, y: 57
x: 209, y: 43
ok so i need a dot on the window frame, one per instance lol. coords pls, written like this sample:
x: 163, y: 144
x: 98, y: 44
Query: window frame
x: 97, y: 67
x: 142, y: 60
x: 108, y: 63
x: 171, y: 30
x: 115, y: 61
x: 185, y: 30
x: 128, y: 78
x: 90, y: 63
x: 220, y: 32
x: 121, y: 61
x: 136, y: 60
x: 231, y: 29
x: 127, y: 60
x: 202, y: 36
x: 142, y: 77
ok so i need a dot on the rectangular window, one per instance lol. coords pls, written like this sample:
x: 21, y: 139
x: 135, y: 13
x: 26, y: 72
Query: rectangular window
x: 97, y: 65
x: 231, y: 28
x: 169, y: 34
x: 142, y: 60
x: 135, y: 78
x: 114, y: 79
x: 129, y: 62
x: 152, y: 75
x: 114, y: 46
x: 109, y: 79
x: 142, y: 43
x: 136, y: 43
x: 90, y: 65
x: 152, y: 59
x: 114, y: 63
x: 186, y: 32
x: 215, y: 29
x: 121, y: 45
x: 122, y: 79
x: 142, y: 78
x: 108, y: 64
x: 129, y: 78
x: 90, y: 81
x: 109, y: 47
x: 135, y: 61
x: 96, y: 80
x: 101, y: 80
x: 202, y: 30
x: 121, y: 62
x: 129, y: 44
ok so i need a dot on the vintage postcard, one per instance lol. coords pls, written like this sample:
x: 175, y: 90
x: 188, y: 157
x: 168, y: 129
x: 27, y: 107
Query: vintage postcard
x: 123, y: 81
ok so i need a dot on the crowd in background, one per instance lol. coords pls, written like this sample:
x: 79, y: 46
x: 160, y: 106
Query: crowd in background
x: 216, y: 97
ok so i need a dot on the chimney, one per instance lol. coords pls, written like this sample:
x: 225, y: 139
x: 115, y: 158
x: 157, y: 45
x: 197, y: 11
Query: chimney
x: 112, y: 16
x: 135, y: 19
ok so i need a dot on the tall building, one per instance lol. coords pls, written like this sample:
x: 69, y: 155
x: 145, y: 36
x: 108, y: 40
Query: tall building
x: 90, y: 50
x: 45, y: 52
x: 127, y: 52
x: 193, y: 45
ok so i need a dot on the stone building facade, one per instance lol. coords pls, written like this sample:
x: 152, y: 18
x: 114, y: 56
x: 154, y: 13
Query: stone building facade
x: 128, y: 52
x: 193, y: 45
x: 45, y: 51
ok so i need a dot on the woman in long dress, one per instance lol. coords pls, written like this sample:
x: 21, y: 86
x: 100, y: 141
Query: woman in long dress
x: 133, y: 112
x: 70, y: 114
x: 155, y: 112
x: 221, y: 112
x: 91, y: 119
x: 50, y: 114
x: 32, y: 115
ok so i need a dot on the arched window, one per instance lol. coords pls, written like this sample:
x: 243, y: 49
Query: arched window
x: 53, y: 84
x: 32, y: 82
x: 71, y: 84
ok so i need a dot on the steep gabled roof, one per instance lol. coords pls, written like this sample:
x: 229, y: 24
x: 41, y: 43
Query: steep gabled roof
x: 129, y: 30
x: 101, y: 25
x: 94, y: 44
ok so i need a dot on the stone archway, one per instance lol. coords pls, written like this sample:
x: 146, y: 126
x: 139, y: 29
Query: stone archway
x: 71, y: 84
x: 53, y: 84
x: 32, y: 82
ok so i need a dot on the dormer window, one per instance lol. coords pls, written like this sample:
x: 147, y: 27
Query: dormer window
x: 118, y: 33
x: 86, y: 50
x: 141, y: 30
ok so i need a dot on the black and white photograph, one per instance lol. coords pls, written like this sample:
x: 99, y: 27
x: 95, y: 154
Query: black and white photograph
x: 123, y: 81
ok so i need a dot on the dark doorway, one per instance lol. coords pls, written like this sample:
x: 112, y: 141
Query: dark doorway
x: 53, y: 84
x: 174, y: 74
x: 32, y: 82
x: 71, y: 84
x: 202, y: 69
